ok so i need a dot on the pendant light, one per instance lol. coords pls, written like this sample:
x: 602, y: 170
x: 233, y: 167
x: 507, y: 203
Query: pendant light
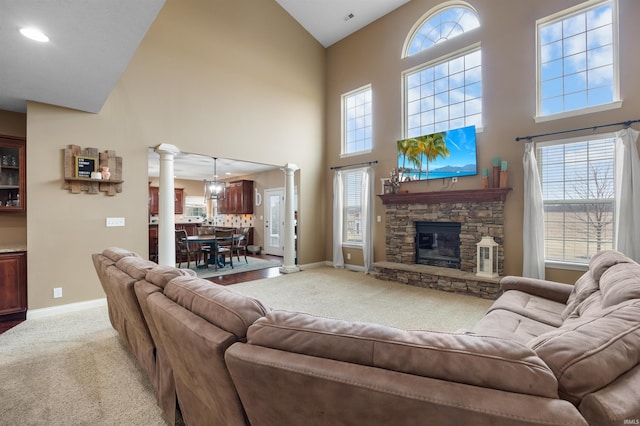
x: 215, y: 189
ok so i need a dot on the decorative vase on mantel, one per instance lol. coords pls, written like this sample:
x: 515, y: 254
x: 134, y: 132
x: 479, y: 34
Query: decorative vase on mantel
x: 106, y: 174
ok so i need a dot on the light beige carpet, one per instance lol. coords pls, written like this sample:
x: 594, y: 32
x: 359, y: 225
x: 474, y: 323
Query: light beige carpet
x: 73, y: 369
x: 354, y: 296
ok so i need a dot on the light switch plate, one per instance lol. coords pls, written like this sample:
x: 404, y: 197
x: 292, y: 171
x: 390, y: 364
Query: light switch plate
x: 115, y: 221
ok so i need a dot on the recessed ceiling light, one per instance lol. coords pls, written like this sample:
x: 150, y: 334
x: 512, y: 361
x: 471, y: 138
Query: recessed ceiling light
x: 34, y: 34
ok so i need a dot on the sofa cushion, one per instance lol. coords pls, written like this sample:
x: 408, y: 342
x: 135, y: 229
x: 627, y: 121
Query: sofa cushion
x: 584, y: 287
x: 587, y: 354
x: 510, y: 325
x: 117, y: 253
x: 161, y: 275
x: 620, y: 283
x: 589, y: 283
x: 463, y: 358
x: 135, y: 267
x: 530, y: 306
x: 230, y: 311
x: 603, y: 260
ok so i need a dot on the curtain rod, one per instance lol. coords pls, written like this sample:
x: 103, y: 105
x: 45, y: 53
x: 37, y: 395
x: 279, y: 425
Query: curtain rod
x: 367, y: 163
x: 625, y: 123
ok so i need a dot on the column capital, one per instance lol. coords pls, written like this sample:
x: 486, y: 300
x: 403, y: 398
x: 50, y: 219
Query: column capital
x: 290, y: 168
x: 165, y: 148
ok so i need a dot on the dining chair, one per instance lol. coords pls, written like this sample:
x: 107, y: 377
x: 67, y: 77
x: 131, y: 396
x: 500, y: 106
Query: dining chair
x: 240, y: 244
x: 222, y: 247
x: 206, y: 247
x: 184, y: 251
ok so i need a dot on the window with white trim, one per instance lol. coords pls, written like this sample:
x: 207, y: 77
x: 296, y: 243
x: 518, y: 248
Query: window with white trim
x: 578, y: 191
x: 445, y: 94
x: 357, y: 121
x: 440, y: 26
x: 578, y: 58
x: 352, y: 223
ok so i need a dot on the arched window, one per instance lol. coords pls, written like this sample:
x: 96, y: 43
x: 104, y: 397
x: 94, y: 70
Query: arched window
x: 445, y: 24
x: 445, y: 92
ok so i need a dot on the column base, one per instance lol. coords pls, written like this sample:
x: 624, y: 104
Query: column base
x: 289, y: 269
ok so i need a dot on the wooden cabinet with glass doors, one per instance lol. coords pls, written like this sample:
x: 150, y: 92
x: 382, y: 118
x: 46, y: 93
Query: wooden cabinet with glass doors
x: 13, y: 174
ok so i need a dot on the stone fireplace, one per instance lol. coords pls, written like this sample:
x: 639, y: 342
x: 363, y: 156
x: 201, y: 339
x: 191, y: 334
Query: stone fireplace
x: 478, y: 213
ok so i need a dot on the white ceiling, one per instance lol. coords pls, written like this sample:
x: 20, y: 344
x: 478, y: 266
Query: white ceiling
x: 92, y: 41
x: 329, y: 21
x: 200, y: 167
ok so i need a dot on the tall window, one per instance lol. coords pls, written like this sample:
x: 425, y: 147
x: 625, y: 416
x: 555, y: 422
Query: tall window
x: 356, y: 121
x: 578, y: 59
x: 353, y: 215
x: 577, y: 177
x: 444, y: 95
x: 445, y: 92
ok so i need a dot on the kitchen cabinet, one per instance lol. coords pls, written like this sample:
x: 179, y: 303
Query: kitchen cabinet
x: 13, y: 286
x: 154, y: 200
x: 13, y: 195
x: 238, y: 199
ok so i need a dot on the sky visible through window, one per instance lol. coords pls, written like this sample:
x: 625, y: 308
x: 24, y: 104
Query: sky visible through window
x: 447, y: 95
x: 577, y: 61
x: 444, y: 25
x: 357, y: 121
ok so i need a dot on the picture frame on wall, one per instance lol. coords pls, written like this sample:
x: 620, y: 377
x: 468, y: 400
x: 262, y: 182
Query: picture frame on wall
x: 85, y: 166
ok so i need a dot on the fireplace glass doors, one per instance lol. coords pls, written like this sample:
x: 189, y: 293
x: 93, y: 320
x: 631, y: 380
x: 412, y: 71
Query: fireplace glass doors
x: 438, y: 244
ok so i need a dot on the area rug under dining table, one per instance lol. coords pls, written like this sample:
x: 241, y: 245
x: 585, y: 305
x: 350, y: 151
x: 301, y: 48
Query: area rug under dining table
x: 252, y: 264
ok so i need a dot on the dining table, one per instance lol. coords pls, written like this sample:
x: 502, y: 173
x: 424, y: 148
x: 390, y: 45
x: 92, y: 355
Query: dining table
x: 212, y: 239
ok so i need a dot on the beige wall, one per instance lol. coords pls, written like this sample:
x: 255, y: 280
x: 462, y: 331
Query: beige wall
x: 13, y: 226
x: 238, y: 80
x: 507, y: 34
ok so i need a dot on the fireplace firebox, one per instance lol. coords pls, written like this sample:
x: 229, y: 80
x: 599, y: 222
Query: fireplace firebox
x: 438, y: 244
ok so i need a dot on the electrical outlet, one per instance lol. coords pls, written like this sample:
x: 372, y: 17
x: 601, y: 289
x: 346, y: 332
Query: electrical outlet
x: 57, y: 292
x: 115, y: 221
x: 348, y: 256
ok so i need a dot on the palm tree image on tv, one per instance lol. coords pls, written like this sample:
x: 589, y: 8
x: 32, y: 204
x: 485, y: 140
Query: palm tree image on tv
x: 451, y: 153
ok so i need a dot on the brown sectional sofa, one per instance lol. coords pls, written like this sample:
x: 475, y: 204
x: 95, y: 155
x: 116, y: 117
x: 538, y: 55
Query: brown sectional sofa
x: 545, y: 354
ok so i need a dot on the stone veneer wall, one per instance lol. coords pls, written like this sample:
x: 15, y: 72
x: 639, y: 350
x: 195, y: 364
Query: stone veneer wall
x: 477, y: 219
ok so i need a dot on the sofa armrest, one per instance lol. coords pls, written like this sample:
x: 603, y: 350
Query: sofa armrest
x: 558, y: 292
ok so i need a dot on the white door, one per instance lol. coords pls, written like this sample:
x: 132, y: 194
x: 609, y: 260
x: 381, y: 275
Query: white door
x: 274, y: 221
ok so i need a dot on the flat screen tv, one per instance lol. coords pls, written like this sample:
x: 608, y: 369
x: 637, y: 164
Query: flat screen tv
x: 447, y: 154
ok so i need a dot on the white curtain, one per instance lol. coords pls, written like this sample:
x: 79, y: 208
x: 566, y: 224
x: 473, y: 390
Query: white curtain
x: 367, y: 218
x: 627, y: 223
x: 338, y: 200
x: 533, y: 222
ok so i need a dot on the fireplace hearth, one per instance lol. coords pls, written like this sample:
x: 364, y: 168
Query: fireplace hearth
x: 478, y: 213
x: 438, y: 244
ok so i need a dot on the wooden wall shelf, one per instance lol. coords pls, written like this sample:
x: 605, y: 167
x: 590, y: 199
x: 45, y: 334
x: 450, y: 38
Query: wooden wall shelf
x: 435, y: 197
x: 77, y: 185
x: 80, y: 179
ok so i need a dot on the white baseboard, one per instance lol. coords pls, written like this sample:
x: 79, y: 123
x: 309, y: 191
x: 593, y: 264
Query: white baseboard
x: 63, y: 309
x: 314, y: 265
x: 329, y: 263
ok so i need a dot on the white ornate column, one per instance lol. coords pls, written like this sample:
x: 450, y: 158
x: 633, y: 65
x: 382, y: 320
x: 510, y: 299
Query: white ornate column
x: 289, y: 264
x: 166, y: 208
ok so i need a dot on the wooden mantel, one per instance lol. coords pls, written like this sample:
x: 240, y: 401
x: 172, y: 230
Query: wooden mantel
x: 435, y: 197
